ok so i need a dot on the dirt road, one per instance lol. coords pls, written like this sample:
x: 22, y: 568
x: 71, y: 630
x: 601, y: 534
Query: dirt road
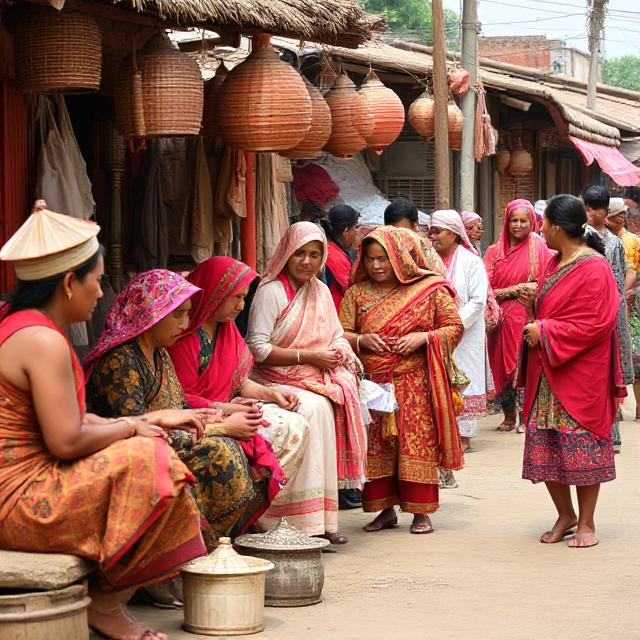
x: 482, y: 575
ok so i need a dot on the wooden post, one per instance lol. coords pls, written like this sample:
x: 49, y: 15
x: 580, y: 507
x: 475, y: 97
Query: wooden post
x: 248, y: 225
x: 440, y: 96
x: 596, y: 25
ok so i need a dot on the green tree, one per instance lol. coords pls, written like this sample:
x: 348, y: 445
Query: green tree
x: 411, y: 20
x: 622, y: 72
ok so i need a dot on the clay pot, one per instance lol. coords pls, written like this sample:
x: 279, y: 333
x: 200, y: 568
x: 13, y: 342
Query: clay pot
x: 422, y: 114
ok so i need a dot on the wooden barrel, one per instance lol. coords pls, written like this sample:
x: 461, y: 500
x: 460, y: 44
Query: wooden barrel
x: 44, y: 615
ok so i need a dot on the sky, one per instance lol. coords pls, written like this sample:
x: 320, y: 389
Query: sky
x: 562, y: 19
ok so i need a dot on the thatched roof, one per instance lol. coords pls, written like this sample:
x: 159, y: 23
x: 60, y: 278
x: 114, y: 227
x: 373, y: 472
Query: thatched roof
x: 338, y: 22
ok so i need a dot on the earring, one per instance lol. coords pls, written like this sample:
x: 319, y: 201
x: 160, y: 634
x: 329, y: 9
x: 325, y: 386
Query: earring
x: 69, y: 295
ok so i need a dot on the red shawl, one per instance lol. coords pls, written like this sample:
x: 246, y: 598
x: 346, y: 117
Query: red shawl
x: 339, y: 264
x: 508, y: 266
x: 578, y: 351
x: 218, y: 278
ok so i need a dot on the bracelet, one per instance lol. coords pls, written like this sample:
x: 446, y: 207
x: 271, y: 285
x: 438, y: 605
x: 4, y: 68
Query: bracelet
x: 298, y: 351
x: 358, y: 343
x: 215, y: 430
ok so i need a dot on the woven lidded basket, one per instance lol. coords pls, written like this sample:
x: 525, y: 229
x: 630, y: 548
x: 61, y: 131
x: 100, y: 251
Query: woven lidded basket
x: 387, y: 110
x: 263, y: 105
x: 162, y: 96
x: 57, y: 51
x: 422, y: 115
x: 455, y: 121
x: 348, y: 110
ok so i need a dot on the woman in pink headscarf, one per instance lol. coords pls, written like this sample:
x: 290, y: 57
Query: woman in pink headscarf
x: 474, y: 226
x: 298, y: 343
x: 513, y: 264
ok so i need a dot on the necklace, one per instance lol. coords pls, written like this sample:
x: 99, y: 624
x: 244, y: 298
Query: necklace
x: 571, y: 258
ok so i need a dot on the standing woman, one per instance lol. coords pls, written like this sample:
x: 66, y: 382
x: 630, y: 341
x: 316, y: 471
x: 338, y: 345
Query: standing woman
x: 474, y: 226
x: 72, y: 482
x: 298, y: 343
x: 515, y: 259
x: 402, y: 320
x: 467, y: 275
x: 572, y: 340
x: 340, y: 228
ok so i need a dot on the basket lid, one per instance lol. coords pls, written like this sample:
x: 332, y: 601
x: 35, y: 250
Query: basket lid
x: 226, y: 561
x: 282, y: 537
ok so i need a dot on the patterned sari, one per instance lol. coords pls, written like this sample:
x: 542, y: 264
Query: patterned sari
x: 406, y: 449
x: 126, y: 507
x: 121, y: 382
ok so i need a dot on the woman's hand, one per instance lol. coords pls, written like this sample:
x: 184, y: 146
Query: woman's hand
x: 323, y: 358
x: 531, y: 334
x: 145, y: 429
x: 242, y: 426
x: 373, y: 342
x: 189, y: 419
x: 526, y: 293
x: 410, y: 342
x: 284, y: 398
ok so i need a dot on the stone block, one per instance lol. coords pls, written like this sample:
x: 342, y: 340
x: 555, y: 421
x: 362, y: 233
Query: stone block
x: 47, y: 571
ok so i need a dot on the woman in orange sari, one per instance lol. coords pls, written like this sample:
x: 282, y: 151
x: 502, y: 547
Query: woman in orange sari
x: 402, y: 321
x: 112, y: 491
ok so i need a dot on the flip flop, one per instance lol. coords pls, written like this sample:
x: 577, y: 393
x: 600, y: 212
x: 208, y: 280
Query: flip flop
x: 335, y: 538
x: 372, y: 527
x: 567, y: 532
x: 505, y: 427
x: 520, y: 428
x: 583, y: 540
x: 421, y: 529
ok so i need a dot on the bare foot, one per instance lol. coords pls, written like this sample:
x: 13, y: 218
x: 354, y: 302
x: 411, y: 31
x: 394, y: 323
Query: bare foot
x: 421, y: 524
x: 386, y: 519
x: 109, y: 617
x: 563, y: 527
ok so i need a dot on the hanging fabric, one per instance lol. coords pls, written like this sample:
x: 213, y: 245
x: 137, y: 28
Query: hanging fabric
x: 62, y: 172
x: 486, y: 137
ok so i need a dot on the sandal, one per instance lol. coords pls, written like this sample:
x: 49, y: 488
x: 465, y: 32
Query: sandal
x: 583, y: 540
x: 520, y: 428
x: 505, y: 426
x: 549, y: 534
x: 421, y: 529
x: 374, y: 526
x: 334, y: 538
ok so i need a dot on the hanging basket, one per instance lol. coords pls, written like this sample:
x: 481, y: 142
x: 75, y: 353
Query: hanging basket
x: 57, y: 51
x: 264, y: 104
x: 521, y: 163
x: 211, y: 90
x: 162, y: 96
x: 455, y: 121
x: 387, y: 111
x: 311, y: 145
x: 347, y: 111
x: 422, y: 115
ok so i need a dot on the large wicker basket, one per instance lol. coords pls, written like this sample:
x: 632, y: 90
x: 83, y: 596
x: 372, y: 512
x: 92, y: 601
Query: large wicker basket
x: 346, y: 113
x: 164, y: 98
x: 422, y: 115
x: 455, y: 121
x: 263, y: 104
x: 57, y: 51
x: 387, y: 110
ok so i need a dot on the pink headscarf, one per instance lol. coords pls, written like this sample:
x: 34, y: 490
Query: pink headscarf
x: 149, y: 297
x: 451, y: 221
x: 469, y: 217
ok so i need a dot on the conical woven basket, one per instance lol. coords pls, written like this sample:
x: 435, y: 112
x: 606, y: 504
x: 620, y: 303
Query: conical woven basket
x: 422, y: 115
x: 57, y: 51
x: 387, y: 111
x: 455, y: 120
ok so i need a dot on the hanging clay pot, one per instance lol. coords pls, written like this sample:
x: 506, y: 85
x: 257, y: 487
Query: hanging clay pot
x: 211, y: 90
x: 422, y: 115
x: 455, y: 121
x: 263, y: 105
x: 348, y: 110
x: 521, y: 163
x: 311, y: 145
x: 387, y: 111
x: 502, y: 160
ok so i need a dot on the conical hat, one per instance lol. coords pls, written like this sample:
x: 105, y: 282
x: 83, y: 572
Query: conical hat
x: 49, y: 243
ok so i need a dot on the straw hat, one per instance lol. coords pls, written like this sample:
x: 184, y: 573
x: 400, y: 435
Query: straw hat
x: 49, y: 243
x: 616, y: 207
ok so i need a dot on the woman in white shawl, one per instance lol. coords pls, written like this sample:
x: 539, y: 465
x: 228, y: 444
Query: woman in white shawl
x: 466, y: 272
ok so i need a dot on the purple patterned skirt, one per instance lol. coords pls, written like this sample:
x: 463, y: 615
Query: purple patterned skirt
x: 558, y: 449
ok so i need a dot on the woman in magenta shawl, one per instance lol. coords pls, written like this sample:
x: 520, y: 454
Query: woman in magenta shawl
x: 572, y: 340
x: 515, y: 259
x: 213, y: 362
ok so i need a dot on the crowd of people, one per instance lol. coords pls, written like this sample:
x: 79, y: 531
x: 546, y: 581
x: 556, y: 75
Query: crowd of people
x: 179, y: 428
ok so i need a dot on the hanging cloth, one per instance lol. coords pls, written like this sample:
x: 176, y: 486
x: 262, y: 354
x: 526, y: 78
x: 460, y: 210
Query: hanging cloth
x: 62, y: 173
x: 486, y: 137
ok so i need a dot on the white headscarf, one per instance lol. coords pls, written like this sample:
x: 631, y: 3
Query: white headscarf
x: 451, y: 221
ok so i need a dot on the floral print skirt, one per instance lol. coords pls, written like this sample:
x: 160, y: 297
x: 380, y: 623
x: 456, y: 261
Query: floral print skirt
x: 558, y: 449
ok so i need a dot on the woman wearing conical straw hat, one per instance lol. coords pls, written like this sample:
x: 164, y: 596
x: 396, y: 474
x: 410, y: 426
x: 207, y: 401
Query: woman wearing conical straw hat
x: 112, y: 491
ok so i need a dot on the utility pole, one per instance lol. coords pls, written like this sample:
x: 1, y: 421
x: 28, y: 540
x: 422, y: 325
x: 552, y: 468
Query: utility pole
x: 596, y: 28
x: 469, y: 59
x: 440, y: 97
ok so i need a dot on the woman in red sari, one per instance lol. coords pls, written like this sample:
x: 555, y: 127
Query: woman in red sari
x: 572, y: 340
x: 402, y: 321
x: 515, y: 259
x: 112, y: 491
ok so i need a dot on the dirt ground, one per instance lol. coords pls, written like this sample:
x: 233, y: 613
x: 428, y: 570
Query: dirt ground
x: 482, y: 574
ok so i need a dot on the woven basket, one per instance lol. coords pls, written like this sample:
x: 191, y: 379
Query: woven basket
x: 57, y: 51
x: 346, y: 109
x: 422, y: 115
x: 502, y: 161
x: 521, y: 162
x: 455, y: 121
x: 263, y: 104
x: 312, y: 143
x: 164, y: 98
x: 211, y: 90
x: 387, y: 111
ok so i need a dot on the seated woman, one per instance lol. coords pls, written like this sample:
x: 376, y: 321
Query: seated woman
x: 130, y: 372
x: 402, y: 321
x: 63, y: 471
x: 298, y: 343
x: 213, y: 362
